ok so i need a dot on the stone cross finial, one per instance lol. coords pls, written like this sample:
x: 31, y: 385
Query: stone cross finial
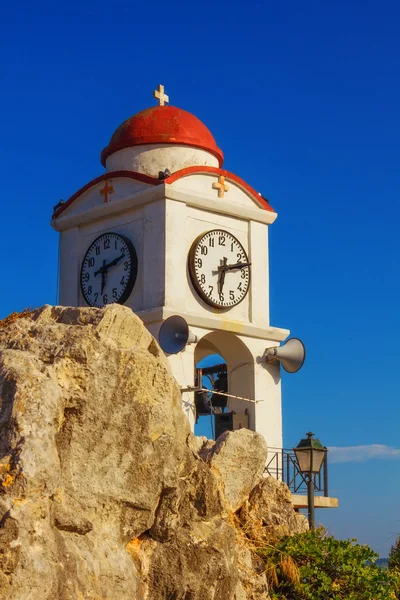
x: 221, y: 186
x: 159, y: 94
x: 106, y: 190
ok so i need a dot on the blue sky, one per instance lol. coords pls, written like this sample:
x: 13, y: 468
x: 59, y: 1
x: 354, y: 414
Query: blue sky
x: 304, y: 101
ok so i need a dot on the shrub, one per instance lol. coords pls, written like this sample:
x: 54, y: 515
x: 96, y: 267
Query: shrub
x: 316, y: 566
x: 394, y: 556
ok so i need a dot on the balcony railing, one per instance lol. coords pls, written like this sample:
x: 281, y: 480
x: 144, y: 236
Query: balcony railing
x: 282, y: 464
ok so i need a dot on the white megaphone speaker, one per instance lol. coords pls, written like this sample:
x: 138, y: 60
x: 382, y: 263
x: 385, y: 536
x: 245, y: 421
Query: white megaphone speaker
x: 291, y: 355
x: 174, y: 334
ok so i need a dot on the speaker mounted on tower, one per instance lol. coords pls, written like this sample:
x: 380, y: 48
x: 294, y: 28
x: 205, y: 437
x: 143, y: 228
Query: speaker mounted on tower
x: 175, y: 334
x: 291, y: 355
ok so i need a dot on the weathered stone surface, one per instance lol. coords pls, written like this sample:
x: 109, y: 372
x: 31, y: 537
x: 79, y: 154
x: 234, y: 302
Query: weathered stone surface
x: 269, y: 509
x: 238, y: 459
x: 104, y: 492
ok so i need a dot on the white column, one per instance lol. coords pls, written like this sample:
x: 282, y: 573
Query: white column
x: 182, y: 365
x: 69, y: 277
x: 153, y: 265
x: 260, y: 274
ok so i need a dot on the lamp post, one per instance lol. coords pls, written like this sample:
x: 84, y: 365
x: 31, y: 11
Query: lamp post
x: 310, y: 454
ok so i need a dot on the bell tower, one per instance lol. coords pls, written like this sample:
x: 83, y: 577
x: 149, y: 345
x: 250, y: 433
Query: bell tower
x: 167, y: 231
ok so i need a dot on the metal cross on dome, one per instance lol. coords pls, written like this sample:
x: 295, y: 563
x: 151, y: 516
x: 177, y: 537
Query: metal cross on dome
x: 160, y: 95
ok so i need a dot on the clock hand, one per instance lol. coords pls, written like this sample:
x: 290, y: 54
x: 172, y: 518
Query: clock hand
x: 114, y: 262
x: 221, y: 275
x: 103, y: 276
x: 236, y: 266
x: 105, y: 267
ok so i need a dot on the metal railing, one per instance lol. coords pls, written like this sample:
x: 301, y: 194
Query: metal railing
x: 282, y: 464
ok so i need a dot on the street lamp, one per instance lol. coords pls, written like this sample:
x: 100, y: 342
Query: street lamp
x: 310, y: 454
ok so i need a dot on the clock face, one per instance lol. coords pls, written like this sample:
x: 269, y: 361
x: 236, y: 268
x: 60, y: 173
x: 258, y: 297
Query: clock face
x: 109, y: 270
x: 219, y: 268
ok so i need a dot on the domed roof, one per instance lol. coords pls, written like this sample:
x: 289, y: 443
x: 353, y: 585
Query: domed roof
x: 162, y: 125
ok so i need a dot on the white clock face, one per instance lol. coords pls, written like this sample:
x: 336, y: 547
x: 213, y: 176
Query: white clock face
x: 219, y: 268
x: 109, y: 270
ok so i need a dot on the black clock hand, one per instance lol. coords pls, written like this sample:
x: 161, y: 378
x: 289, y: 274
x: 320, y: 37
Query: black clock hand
x: 236, y: 266
x: 221, y: 275
x: 103, y: 276
x: 114, y: 262
x: 105, y: 267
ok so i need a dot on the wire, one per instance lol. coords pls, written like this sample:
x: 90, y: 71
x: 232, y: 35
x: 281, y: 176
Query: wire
x: 238, y: 367
x: 224, y: 394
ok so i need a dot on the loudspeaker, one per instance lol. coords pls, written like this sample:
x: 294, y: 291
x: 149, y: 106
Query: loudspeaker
x: 174, y: 334
x: 291, y: 355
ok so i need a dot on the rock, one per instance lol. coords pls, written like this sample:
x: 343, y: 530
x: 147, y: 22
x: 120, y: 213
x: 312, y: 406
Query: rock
x: 104, y: 492
x: 269, y: 511
x: 238, y: 460
x: 201, y: 446
x: 92, y: 431
x: 252, y: 584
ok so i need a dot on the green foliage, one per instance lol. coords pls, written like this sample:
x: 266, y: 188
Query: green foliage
x: 394, y: 556
x: 326, y: 569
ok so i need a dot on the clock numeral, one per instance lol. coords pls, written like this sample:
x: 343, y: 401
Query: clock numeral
x: 239, y: 256
x: 122, y: 282
x: 240, y: 287
x: 96, y: 296
x: 89, y: 290
x: 86, y: 277
x: 221, y: 296
x: 106, y: 244
x: 204, y: 249
x: 199, y: 263
x: 232, y: 247
x: 126, y: 265
x: 243, y: 274
x: 97, y: 250
x: 210, y: 243
x: 91, y: 262
x: 114, y: 293
x: 210, y: 287
x: 202, y: 278
x: 231, y: 295
x: 221, y: 240
x: 105, y: 299
x: 116, y: 245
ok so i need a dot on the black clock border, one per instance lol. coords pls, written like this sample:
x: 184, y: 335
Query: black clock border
x: 193, y: 277
x: 132, y: 276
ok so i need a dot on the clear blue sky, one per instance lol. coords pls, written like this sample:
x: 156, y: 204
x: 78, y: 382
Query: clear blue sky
x: 304, y: 100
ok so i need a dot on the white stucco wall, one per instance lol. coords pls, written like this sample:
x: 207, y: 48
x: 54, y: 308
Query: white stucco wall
x: 162, y: 222
x: 150, y: 159
x: 183, y: 225
x: 145, y: 227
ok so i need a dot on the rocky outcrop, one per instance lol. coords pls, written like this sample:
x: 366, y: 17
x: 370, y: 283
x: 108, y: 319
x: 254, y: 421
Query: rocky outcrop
x: 268, y: 512
x: 104, y: 492
x: 238, y: 461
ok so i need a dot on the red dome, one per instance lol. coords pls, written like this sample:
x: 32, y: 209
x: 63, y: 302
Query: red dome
x: 163, y: 125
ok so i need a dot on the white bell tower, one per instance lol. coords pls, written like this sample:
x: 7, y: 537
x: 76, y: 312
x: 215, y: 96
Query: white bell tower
x: 167, y: 231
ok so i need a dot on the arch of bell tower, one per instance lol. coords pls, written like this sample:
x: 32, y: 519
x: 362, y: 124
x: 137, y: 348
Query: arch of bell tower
x: 240, y: 367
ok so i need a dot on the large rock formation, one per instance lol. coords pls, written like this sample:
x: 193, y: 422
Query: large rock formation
x: 105, y: 494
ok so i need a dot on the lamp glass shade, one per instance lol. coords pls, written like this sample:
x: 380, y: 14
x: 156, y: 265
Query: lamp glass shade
x: 310, y: 455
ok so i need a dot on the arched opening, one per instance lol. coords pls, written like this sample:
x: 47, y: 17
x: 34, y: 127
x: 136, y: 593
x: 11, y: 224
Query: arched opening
x: 211, y: 367
x: 225, y: 366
